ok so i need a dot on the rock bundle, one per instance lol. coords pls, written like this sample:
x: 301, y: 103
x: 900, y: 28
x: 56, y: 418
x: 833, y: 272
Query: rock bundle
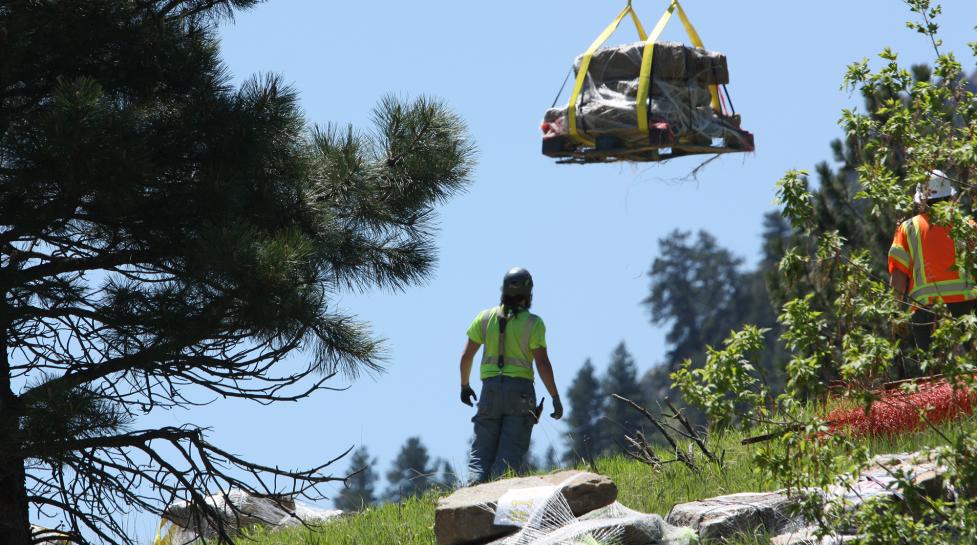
x: 680, y: 105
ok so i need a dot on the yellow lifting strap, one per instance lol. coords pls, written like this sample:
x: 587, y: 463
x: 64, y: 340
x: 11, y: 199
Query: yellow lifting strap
x: 644, y: 82
x: 585, y: 64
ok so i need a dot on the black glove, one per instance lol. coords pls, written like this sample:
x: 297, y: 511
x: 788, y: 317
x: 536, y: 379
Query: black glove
x: 467, y: 394
x: 557, y: 409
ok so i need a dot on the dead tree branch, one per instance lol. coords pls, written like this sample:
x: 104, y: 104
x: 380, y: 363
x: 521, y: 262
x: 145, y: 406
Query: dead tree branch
x: 679, y: 454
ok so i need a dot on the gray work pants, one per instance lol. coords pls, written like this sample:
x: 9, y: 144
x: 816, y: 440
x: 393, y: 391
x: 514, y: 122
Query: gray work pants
x: 503, y: 426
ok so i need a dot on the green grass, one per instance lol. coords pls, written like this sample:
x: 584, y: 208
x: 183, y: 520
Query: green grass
x: 639, y: 487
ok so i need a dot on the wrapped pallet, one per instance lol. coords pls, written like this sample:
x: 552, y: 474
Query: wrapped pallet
x: 616, y: 114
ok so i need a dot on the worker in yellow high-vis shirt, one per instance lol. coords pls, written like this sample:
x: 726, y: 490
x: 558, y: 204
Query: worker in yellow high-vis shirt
x: 513, y: 338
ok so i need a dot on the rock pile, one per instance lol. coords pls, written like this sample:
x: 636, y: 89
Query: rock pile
x: 715, y: 519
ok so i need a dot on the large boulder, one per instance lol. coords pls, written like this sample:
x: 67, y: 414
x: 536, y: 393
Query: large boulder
x: 468, y: 515
x: 724, y: 516
x: 238, y: 510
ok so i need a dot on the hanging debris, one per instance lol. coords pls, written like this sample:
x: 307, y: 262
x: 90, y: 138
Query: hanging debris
x: 645, y: 101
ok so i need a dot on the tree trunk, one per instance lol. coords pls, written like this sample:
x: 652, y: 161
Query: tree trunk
x: 14, y: 522
x: 14, y: 518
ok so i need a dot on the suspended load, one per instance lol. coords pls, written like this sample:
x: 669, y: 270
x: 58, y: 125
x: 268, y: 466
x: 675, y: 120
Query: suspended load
x: 645, y: 101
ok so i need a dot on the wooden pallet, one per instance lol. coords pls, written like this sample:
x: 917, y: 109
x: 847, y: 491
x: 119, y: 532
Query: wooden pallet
x: 661, y: 148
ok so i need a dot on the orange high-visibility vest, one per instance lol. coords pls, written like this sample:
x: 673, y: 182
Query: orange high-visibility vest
x: 924, y: 252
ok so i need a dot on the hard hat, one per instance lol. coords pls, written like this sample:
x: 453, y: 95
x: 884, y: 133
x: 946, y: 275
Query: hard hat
x: 517, y: 282
x: 938, y: 187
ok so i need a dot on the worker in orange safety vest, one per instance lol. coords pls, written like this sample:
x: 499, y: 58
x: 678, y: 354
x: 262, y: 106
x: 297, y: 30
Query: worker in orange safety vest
x: 923, y: 267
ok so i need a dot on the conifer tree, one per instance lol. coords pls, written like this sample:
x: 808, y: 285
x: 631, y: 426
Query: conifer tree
x: 359, y: 491
x: 411, y: 473
x: 695, y: 290
x: 583, y: 439
x: 700, y: 291
x: 168, y: 238
x: 618, y: 419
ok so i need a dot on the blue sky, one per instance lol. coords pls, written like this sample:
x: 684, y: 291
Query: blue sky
x: 587, y: 233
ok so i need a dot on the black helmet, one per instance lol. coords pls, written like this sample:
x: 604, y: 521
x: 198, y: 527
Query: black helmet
x: 517, y: 282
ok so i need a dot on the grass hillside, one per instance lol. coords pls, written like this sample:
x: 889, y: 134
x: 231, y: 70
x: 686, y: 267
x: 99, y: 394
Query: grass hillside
x: 640, y: 487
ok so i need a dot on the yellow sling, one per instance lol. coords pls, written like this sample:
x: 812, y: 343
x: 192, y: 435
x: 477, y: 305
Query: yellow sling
x: 644, y: 82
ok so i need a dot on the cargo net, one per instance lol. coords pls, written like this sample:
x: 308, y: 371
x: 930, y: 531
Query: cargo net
x: 682, y: 111
x: 549, y: 520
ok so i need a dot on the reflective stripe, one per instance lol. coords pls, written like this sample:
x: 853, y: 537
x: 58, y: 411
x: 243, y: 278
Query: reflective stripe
x: 916, y: 251
x: 945, y: 288
x: 899, y: 254
x: 922, y: 290
x: 486, y: 316
x: 527, y: 332
x: 506, y: 360
x: 514, y: 366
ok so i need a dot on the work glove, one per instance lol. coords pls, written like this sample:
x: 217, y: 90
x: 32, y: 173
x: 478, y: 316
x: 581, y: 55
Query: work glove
x: 467, y: 394
x: 557, y: 409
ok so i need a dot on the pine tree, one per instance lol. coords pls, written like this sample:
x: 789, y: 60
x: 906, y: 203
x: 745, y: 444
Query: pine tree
x: 699, y: 289
x: 169, y: 238
x: 617, y: 418
x: 358, y: 492
x: 411, y: 473
x: 584, y: 399
x: 695, y: 289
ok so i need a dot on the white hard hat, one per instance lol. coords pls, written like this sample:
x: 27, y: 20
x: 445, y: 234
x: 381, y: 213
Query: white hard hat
x: 938, y: 187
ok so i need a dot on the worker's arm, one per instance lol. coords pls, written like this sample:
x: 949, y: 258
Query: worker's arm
x: 467, y: 394
x: 467, y: 359
x: 899, y: 282
x: 546, y: 371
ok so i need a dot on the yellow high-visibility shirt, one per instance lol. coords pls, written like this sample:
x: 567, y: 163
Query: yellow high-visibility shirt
x: 524, y: 333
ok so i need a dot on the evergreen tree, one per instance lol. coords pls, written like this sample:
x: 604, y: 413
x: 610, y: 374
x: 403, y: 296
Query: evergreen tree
x: 169, y: 238
x: 358, y: 492
x: 617, y: 418
x: 695, y: 289
x: 411, y: 473
x: 583, y: 421
x: 698, y: 288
